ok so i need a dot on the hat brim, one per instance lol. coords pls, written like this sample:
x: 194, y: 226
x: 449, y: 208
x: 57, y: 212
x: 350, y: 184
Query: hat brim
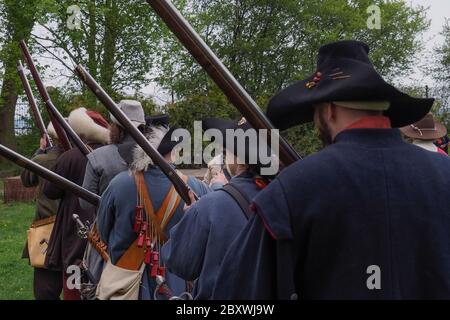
x: 410, y: 132
x: 136, y: 124
x: 167, y: 144
x: 252, y: 149
x: 295, y: 104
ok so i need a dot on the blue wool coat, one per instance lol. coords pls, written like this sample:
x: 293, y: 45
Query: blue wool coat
x: 200, y: 240
x: 362, y: 219
x: 116, y: 215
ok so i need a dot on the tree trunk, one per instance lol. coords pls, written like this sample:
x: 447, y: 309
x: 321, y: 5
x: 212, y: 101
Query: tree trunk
x: 92, y: 63
x: 8, y: 100
x: 109, y: 46
x: 19, y: 21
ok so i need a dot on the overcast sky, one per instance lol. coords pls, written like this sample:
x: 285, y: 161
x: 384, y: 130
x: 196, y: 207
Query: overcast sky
x: 437, y: 11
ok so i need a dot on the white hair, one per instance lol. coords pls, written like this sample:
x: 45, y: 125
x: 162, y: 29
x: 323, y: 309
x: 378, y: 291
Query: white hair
x: 141, y: 161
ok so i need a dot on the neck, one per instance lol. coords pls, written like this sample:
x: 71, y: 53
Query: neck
x: 367, y: 122
x: 240, y: 170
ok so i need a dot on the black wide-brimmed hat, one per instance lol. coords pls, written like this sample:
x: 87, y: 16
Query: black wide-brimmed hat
x: 249, y: 148
x: 169, y: 142
x: 344, y: 73
x: 157, y: 120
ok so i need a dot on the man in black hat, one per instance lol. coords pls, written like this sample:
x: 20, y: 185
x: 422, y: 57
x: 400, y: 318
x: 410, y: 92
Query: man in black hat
x: 199, y: 241
x: 357, y: 220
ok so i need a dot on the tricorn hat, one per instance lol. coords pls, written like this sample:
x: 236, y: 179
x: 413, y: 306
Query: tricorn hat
x: 344, y: 73
x: 157, y: 120
x: 426, y: 129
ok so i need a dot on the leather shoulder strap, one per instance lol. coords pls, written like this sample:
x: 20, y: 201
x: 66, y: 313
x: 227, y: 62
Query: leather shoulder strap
x: 241, y: 200
x: 134, y: 256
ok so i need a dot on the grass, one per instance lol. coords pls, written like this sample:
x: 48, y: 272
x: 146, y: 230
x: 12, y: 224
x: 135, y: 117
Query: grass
x: 16, y: 276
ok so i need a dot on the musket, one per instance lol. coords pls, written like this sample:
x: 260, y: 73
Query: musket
x: 49, y: 175
x: 61, y: 126
x: 33, y: 106
x: 181, y: 187
x: 232, y: 89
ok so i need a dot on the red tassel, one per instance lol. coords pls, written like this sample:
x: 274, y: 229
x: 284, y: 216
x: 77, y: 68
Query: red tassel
x: 148, y: 256
x: 154, y: 270
x: 138, y: 219
x: 162, y: 271
x: 140, y: 242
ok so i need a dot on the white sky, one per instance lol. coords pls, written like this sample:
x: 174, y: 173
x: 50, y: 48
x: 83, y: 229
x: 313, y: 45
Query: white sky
x: 437, y: 12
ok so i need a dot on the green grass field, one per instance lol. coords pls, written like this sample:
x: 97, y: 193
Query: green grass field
x: 16, y: 276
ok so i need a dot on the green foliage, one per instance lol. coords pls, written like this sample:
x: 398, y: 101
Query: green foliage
x: 270, y: 44
x: 266, y: 44
x: 441, y: 74
x: 116, y: 41
x: 16, y: 276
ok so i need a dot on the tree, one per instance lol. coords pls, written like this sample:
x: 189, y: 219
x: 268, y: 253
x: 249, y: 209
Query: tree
x: 116, y: 41
x: 441, y: 75
x: 18, y: 19
x: 268, y: 44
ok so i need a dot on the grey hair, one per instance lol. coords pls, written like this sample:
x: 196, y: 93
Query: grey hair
x: 141, y: 161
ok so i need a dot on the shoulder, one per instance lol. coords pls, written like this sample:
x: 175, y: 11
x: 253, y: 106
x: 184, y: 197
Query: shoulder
x: 42, y: 158
x: 101, y: 151
x: 198, y: 186
x: 123, y: 179
x: 320, y: 165
x: 428, y: 159
x: 122, y: 184
x: 216, y: 203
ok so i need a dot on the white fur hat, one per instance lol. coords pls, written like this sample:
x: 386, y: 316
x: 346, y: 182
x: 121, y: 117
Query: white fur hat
x: 87, y: 128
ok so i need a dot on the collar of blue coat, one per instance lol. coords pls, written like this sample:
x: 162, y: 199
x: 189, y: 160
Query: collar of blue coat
x: 370, y: 137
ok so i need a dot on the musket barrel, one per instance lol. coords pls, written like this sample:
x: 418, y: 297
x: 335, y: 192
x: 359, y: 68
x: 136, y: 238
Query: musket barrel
x: 45, y: 173
x: 182, y: 188
x: 221, y: 75
x: 32, y: 102
x: 61, y: 126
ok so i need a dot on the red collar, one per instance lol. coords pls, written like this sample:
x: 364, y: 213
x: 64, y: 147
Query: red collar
x: 371, y: 122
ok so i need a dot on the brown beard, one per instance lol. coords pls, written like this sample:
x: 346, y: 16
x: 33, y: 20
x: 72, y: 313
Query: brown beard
x: 324, y: 131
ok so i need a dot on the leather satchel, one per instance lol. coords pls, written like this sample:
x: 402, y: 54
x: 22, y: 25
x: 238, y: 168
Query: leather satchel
x: 38, y: 237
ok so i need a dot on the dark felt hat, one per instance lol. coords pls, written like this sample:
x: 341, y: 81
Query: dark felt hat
x: 157, y: 120
x: 251, y: 149
x: 344, y: 73
x: 169, y: 142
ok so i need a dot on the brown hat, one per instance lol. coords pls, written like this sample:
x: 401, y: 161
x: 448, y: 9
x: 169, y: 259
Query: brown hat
x: 425, y: 129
